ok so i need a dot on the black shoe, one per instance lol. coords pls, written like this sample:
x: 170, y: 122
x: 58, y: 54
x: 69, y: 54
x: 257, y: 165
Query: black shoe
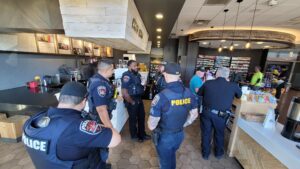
x: 140, y: 140
x: 134, y: 138
x: 147, y: 137
x: 108, y: 166
x: 205, y: 157
x: 219, y: 157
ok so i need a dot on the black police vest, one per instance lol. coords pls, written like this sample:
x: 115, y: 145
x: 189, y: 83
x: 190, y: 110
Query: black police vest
x: 41, y: 143
x: 112, y: 103
x: 135, y: 88
x: 180, y: 105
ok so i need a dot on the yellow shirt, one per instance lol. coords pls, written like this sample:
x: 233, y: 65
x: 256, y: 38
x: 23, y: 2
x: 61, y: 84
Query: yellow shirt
x: 255, y: 77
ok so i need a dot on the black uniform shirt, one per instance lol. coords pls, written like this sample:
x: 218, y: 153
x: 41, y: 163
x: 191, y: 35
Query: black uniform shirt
x: 218, y: 94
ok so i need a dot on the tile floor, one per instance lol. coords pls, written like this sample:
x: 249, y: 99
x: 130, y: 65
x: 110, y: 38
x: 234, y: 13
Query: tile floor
x: 132, y: 155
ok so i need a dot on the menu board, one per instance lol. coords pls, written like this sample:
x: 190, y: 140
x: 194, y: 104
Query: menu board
x: 63, y: 44
x: 96, y: 50
x: 51, y: 44
x: 77, y: 47
x: 26, y: 42
x: 103, y: 51
x: 45, y: 43
x: 109, y: 52
x: 88, y: 48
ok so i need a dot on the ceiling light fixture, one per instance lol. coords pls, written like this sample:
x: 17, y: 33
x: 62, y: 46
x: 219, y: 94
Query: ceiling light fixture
x: 248, y: 44
x: 236, y: 44
x: 158, y: 37
x: 158, y: 30
x: 225, y: 11
x: 223, y: 40
x: 159, y: 16
x: 236, y: 19
x: 266, y: 46
x: 259, y: 43
x: 220, y: 49
x: 204, y: 43
x: 231, y: 47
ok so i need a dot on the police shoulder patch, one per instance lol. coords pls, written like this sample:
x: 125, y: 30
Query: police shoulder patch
x: 126, y: 78
x: 90, y: 127
x: 155, y: 100
x: 101, y: 91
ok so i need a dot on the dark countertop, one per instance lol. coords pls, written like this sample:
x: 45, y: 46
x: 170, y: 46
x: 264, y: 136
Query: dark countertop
x: 40, y: 96
x: 25, y: 101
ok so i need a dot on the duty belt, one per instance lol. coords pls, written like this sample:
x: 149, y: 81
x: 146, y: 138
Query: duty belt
x: 218, y: 112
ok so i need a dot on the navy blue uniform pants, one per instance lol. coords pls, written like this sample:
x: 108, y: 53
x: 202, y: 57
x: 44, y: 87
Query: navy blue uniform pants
x: 211, y: 122
x: 136, y: 119
x: 166, y: 149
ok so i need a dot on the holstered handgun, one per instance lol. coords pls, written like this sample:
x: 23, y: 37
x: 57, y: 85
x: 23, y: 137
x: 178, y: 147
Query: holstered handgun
x: 155, y: 136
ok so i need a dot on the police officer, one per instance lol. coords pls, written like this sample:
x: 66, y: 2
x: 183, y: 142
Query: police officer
x: 100, y: 99
x: 60, y: 138
x: 171, y: 110
x: 160, y: 82
x: 217, y: 96
x: 132, y: 91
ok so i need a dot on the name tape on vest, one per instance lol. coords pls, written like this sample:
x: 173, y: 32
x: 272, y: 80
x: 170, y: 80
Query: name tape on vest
x: 36, y: 144
x: 180, y: 102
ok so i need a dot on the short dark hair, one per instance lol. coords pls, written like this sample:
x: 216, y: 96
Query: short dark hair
x: 130, y: 62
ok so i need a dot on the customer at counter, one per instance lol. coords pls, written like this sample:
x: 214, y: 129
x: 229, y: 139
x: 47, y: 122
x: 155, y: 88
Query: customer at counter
x: 217, y: 96
x: 60, y: 138
x: 100, y: 99
x: 197, y: 80
x: 132, y: 91
x: 257, y: 78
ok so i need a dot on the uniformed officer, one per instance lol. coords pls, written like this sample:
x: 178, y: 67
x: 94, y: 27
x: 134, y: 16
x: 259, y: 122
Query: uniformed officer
x: 100, y: 99
x: 171, y: 110
x: 132, y: 91
x: 60, y: 138
x: 160, y: 82
x: 217, y: 96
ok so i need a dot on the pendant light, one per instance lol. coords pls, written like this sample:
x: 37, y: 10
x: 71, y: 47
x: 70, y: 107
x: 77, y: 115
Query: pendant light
x: 221, y: 48
x: 237, y: 15
x: 248, y: 44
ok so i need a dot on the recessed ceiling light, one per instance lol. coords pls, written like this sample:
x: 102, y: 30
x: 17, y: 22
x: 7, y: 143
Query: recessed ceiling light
x: 225, y: 47
x: 158, y: 30
x: 236, y: 44
x: 266, y: 46
x: 204, y: 43
x: 158, y: 37
x: 159, y: 16
x: 259, y: 43
x: 223, y: 40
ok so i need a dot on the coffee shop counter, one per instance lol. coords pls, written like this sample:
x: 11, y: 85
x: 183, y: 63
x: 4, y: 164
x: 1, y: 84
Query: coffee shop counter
x: 256, y: 147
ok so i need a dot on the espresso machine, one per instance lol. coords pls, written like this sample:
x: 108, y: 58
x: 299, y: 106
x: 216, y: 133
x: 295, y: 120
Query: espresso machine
x: 291, y: 128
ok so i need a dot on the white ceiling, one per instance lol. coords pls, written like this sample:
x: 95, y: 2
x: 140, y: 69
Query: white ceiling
x: 278, y: 18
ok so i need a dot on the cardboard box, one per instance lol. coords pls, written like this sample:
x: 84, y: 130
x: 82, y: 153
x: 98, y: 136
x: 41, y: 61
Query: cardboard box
x: 11, y: 129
